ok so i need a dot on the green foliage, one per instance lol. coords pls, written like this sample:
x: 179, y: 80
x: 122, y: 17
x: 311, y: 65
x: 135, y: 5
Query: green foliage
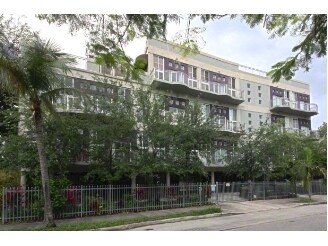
x: 9, y: 178
x: 57, y: 197
x: 264, y: 153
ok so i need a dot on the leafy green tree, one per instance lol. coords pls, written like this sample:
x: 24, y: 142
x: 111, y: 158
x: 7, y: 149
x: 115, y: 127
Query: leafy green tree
x: 33, y: 75
x: 264, y: 153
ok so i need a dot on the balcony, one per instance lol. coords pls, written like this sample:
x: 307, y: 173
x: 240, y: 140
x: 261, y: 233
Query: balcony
x: 285, y: 106
x: 314, y: 134
x: 180, y: 82
x: 228, y: 126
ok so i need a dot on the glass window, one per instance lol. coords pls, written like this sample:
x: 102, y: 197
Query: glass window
x: 183, y: 103
x: 259, y: 87
x: 182, y: 67
x: 93, y: 87
x: 260, y: 116
x: 176, y: 66
x: 83, y: 86
x: 248, y: 85
x: 248, y: 92
x: 260, y: 94
x: 249, y: 115
x: 261, y: 123
x: 260, y: 101
x: 249, y: 122
x: 170, y: 64
x: 249, y: 100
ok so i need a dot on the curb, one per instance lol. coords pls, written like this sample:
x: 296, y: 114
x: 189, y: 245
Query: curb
x: 312, y: 203
x: 157, y: 222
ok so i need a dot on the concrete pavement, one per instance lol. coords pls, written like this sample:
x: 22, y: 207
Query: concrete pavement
x: 301, y: 218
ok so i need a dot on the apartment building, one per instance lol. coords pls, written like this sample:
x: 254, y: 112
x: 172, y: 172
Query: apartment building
x: 241, y: 98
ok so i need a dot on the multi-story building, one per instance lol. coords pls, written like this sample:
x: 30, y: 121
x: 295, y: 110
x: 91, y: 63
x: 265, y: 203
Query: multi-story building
x: 241, y: 98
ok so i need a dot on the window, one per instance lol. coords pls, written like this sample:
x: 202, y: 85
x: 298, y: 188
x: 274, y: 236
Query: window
x: 223, y: 79
x: 214, y: 76
x: 183, y: 103
x: 176, y: 66
x: 260, y: 101
x: 192, y: 72
x: 249, y: 100
x: 101, y: 89
x: 182, y: 67
x: 93, y: 87
x: 170, y: 64
x: 233, y: 83
x: 261, y: 123
x: 177, y: 102
x: 84, y: 86
x: 249, y: 93
x: 260, y: 116
x: 259, y: 87
x: 206, y: 76
x: 109, y: 90
x: 249, y: 122
x: 249, y: 115
x: 248, y: 85
x: 260, y: 94
x: 171, y: 102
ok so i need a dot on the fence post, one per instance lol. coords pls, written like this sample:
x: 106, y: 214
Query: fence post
x: 3, y: 205
x: 217, y: 192
x: 183, y: 194
x: 250, y: 191
x: 264, y: 189
x: 81, y: 200
x: 223, y: 190
x: 200, y: 194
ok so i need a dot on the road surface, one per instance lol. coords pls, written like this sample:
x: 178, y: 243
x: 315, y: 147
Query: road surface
x: 303, y: 218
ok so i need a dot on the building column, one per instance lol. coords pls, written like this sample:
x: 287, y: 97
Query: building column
x: 168, y: 179
x: 212, y: 177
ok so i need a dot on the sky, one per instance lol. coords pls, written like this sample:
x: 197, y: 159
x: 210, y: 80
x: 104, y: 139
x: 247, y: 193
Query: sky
x: 229, y: 39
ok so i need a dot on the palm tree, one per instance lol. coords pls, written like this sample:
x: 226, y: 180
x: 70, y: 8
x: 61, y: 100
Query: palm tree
x: 33, y: 75
x: 309, y: 167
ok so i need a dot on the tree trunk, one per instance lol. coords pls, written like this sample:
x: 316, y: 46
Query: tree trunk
x: 48, y: 216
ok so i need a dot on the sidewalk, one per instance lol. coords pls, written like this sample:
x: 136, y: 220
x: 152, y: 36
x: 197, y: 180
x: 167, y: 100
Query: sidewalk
x: 228, y: 208
x: 264, y: 205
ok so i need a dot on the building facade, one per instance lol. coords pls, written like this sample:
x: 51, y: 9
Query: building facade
x: 241, y: 98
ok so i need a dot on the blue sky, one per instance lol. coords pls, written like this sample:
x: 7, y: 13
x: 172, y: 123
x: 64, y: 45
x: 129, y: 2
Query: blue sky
x: 229, y: 39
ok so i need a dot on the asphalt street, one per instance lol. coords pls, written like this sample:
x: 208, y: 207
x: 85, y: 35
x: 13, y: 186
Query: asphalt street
x: 303, y: 218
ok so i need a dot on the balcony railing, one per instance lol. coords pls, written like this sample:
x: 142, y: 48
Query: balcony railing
x: 304, y: 132
x: 229, y: 126
x: 297, y: 105
x: 176, y: 77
